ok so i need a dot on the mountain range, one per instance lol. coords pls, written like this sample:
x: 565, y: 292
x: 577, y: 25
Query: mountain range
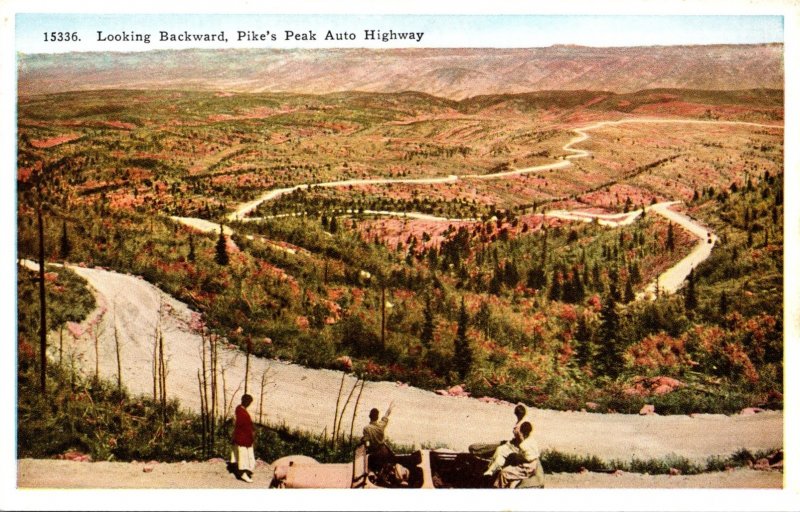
x: 455, y: 73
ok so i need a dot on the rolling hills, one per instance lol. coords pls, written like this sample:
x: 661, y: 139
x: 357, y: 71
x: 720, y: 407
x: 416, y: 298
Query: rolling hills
x: 454, y: 73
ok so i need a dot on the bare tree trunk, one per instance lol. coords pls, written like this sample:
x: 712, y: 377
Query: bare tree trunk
x: 383, y: 317
x: 355, y: 408
x: 61, y: 345
x: 344, y: 407
x: 202, y: 413
x: 336, y: 412
x: 261, y: 398
x: 204, y: 399
x: 97, y: 352
x: 119, y: 356
x: 163, y: 376
x: 155, y: 364
x: 42, y: 306
x: 213, y: 348
x: 247, y: 363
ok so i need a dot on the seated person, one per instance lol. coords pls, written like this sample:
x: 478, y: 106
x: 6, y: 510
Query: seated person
x: 486, y: 450
x: 519, y: 462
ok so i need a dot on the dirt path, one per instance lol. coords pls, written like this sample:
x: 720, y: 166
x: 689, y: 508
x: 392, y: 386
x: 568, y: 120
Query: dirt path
x: 582, y: 136
x: 668, y: 282
x: 61, y: 474
x: 306, y: 399
x: 672, y: 279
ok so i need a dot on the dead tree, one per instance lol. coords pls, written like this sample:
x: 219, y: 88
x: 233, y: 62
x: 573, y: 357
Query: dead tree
x: 204, y: 398
x: 119, y: 355
x: 247, y: 362
x: 204, y: 437
x: 42, y: 302
x: 97, y: 332
x: 212, y: 342
x: 355, y: 409
x: 338, y: 433
x: 336, y: 411
x: 160, y: 366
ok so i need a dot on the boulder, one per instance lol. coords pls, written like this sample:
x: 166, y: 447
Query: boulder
x: 647, y: 409
x: 762, y: 465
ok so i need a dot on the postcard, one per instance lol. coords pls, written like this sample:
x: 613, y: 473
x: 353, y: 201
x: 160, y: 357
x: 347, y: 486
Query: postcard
x: 395, y: 257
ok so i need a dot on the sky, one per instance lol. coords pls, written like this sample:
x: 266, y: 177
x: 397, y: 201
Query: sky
x: 439, y: 30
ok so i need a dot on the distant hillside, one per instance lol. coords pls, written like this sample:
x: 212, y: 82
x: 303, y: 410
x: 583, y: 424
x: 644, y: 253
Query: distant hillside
x: 448, y: 73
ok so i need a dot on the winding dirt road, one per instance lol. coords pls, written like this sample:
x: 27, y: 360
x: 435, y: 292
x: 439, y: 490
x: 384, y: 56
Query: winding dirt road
x: 306, y: 399
x: 668, y: 282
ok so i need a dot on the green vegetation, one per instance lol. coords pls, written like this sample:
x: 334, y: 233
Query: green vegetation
x: 510, y: 305
x: 557, y: 462
x: 96, y: 419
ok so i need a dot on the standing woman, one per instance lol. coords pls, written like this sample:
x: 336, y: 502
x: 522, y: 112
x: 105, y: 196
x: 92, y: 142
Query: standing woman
x: 243, y: 434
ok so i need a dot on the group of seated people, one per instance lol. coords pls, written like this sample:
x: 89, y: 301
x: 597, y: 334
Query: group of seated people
x: 511, y: 462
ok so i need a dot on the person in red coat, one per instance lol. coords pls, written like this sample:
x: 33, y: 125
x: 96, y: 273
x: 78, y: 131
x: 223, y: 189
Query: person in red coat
x: 243, y: 434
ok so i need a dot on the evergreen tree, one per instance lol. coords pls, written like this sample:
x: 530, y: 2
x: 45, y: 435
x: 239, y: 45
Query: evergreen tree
x: 426, y: 336
x: 222, y: 250
x: 555, y: 287
x: 610, y: 354
x: 635, y: 274
x: 536, y: 278
x: 65, y: 246
x: 613, y: 284
x: 596, y: 279
x: 462, y: 356
x: 433, y: 258
x: 670, y: 244
x: 191, y: 255
x: 690, y: 297
x: 578, y: 291
x: 511, y: 274
x: 496, y: 283
x: 629, y: 295
x: 483, y: 318
x: 333, y: 226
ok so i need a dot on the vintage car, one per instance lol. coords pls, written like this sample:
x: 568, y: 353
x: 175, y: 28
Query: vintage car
x: 422, y: 469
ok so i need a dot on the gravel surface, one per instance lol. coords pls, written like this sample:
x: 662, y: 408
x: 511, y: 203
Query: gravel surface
x: 62, y: 474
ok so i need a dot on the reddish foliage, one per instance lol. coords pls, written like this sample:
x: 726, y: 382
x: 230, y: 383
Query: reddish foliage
x: 660, y: 351
x: 55, y: 141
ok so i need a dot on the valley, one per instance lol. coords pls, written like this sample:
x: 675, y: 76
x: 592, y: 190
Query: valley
x: 612, y: 258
